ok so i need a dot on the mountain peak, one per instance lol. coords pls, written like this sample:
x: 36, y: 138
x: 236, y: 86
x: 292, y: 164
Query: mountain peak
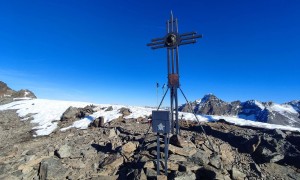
x: 207, y: 97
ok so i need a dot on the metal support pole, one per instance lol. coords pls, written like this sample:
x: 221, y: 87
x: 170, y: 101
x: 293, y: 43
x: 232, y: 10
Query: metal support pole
x: 158, y: 154
x: 172, y: 61
x: 177, y: 61
x: 168, y: 59
x: 166, y: 154
x: 176, y: 111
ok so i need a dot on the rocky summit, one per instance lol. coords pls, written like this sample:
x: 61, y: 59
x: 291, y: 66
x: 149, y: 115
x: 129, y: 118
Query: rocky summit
x: 269, y: 112
x: 119, y: 150
x: 8, y: 95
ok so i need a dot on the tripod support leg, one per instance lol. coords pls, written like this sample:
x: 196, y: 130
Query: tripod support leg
x: 172, y: 109
x: 190, y: 107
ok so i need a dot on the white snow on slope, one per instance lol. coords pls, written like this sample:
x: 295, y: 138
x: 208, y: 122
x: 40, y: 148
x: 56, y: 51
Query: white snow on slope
x: 47, y: 113
x: 283, y: 108
x: 259, y: 104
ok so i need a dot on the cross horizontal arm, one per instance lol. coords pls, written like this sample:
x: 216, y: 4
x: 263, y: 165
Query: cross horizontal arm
x: 157, y: 39
x: 155, y: 43
x: 187, y: 34
x: 158, y: 47
x: 192, y: 37
x: 188, y: 42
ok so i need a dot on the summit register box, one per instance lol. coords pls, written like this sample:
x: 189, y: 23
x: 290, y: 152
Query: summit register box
x: 161, y: 122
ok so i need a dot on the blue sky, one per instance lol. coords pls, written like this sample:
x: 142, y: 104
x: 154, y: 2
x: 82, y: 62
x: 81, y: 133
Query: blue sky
x: 96, y: 50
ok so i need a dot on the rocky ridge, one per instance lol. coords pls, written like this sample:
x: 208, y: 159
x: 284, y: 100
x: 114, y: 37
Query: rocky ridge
x: 114, y: 151
x: 269, y: 112
x: 8, y: 95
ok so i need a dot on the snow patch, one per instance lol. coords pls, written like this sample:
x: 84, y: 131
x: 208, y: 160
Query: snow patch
x: 285, y: 108
x: 22, y: 98
x: 46, y: 112
x: 259, y: 104
x: 26, y: 93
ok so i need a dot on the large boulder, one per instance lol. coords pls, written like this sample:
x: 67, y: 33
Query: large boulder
x: 52, y: 168
x: 98, y: 122
x: 70, y: 114
x: 87, y: 110
x: 73, y: 113
x: 125, y: 111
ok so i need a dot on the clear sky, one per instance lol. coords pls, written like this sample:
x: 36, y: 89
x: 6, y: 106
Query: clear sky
x: 96, y: 50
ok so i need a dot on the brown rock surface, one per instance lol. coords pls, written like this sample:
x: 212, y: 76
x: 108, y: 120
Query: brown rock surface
x: 111, y: 152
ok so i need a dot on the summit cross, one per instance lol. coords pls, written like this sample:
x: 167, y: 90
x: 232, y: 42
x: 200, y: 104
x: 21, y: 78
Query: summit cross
x: 172, y: 40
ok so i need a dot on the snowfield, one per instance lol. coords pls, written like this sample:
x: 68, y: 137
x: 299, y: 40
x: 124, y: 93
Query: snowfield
x: 47, y: 113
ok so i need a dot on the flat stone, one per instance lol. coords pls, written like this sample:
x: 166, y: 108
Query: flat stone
x: 77, y: 164
x: 29, y: 158
x: 237, y: 175
x: 28, y: 166
x: 162, y: 177
x: 188, y: 152
x: 129, y: 148
x: 150, y: 172
x: 226, y: 154
x: 64, y: 151
x: 176, y: 158
x: 177, y: 140
x: 111, y: 164
x: 105, y: 177
x: 279, y: 133
x: 112, y: 133
x: 173, y: 166
x: 201, y: 157
x: 186, y: 176
x: 188, y: 166
x: 215, y: 161
x: 8, y: 177
x: 275, y: 157
x: 149, y: 164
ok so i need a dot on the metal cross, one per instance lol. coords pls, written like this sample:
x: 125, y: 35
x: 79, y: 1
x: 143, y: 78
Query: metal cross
x: 172, y: 40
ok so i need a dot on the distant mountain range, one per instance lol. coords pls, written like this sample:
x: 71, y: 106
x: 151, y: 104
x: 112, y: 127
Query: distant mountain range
x: 269, y: 112
x: 7, y: 94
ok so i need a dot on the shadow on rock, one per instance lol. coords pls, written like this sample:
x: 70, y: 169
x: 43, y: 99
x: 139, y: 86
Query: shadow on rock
x: 105, y: 149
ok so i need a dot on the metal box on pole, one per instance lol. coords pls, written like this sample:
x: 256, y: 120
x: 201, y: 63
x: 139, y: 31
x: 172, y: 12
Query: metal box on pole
x: 161, y: 122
